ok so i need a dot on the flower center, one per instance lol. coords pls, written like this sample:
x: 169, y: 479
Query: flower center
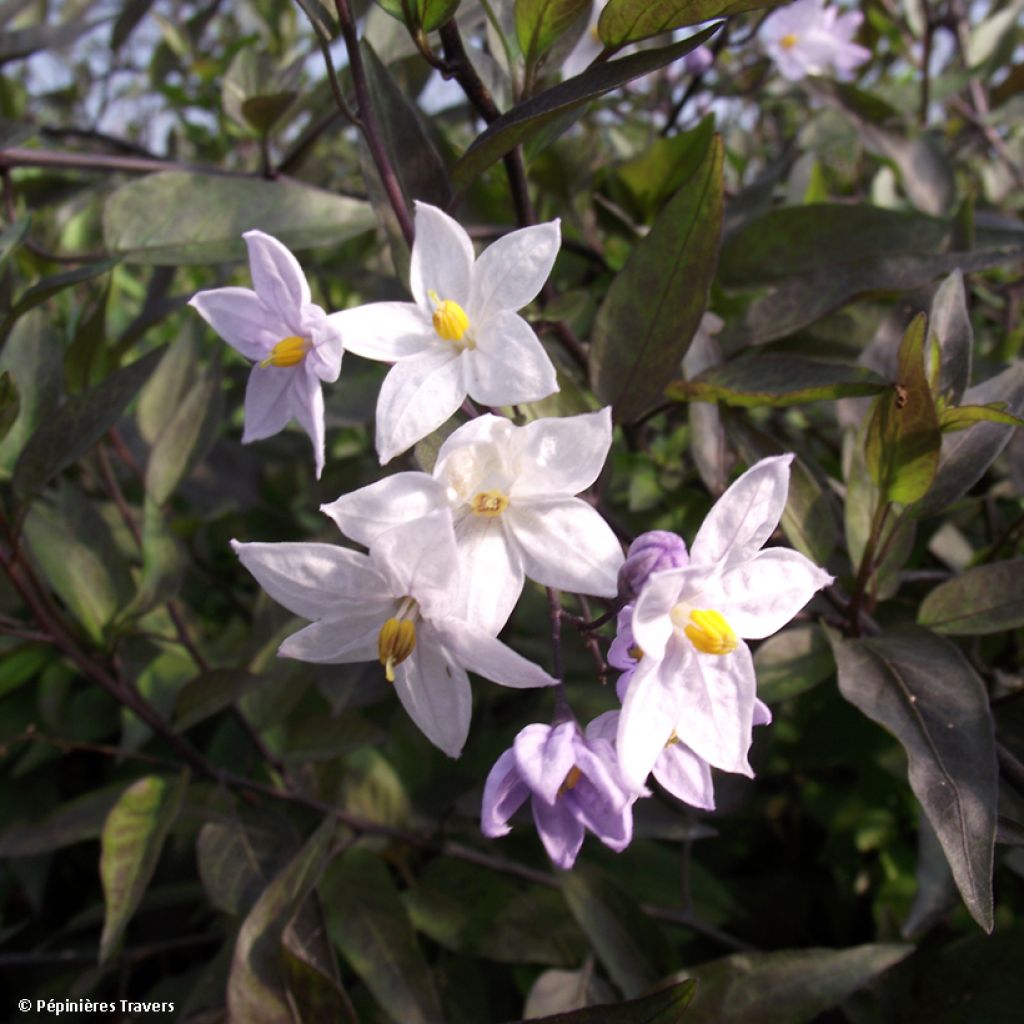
x: 571, y: 780
x: 450, y: 321
x: 489, y: 503
x: 397, y: 637
x: 288, y: 351
x: 636, y: 652
x: 788, y: 41
x: 705, y: 628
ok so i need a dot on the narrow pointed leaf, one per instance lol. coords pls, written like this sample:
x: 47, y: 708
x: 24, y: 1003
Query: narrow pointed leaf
x: 539, y: 23
x: 963, y: 416
x: 654, y: 305
x: 133, y: 836
x: 920, y: 688
x: 10, y: 403
x: 73, y: 822
x: 628, y: 21
x: 48, y: 287
x: 985, y: 599
x: 949, y: 326
x: 666, y: 1006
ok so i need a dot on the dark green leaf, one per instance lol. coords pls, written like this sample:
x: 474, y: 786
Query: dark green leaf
x: 257, y: 985
x: 786, y: 987
x: 524, y: 120
x: 370, y: 928
x: 311, y: 974
x: 48, y: 287
x: 68, y: 823
x: 949, y: 325
x: 557, y: 992
x: 133, y: 836
x: 180, y: 217
x: 792, y: 662
x: 777, y: 380
x: 628, y: 943
x: 628, y: 21
x: 903, y: 438
x: 326, y: 737
x: 985, y: 599
x: 11, y: 237
x: 209, y: 693
x: 539, y: 23
x: 666, y: 1006
x: 256, y: 90
x: 163, y: 565
x: 23, y: 42
x: 655, y: 304
x: 920, y: 688
x: 936, y: 890
x: 10, y: 404
x: 161, y: 396
x: 420, y: 14
x: 64, y: 437
x: 963, y: 416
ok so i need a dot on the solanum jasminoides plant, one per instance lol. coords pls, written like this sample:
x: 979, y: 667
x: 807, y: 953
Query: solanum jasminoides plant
x: 661, y: 364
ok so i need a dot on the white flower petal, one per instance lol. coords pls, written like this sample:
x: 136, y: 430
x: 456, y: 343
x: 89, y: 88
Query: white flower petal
x: 508, y: 365
x: 277, y: 278
x: 481, y: 653
x: 241, y: 319
x: 544, y: 756
x: 686, y: 776
x: 339, y: 641
x: 511, y: 271
x: 566, y: 544
x: 504, y: 793
x: 307, y: 404
x: 746, y: 515
x: 417, y: 396
x: 418, y: 559
x: 490, y: 573
x: 324, y: 359
x: 604, y: 727
x: 314, y: 580
x: 366, y: 513
x: 268, y: 407
x: 387, y: 331
x: 648, y: 715
x: 716, y: 706
x: 759, y: 596
x: 487, y: 429
x: 435, y: 692
x: 651, y: 624
x: 562, y: 455
x: 442, y: 259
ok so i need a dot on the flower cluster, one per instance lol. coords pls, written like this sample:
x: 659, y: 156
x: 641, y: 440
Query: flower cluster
x: 448, y: 552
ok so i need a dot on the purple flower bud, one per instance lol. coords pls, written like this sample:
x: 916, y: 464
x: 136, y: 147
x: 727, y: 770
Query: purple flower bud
x: 696, y: 62
x: 650, y: 552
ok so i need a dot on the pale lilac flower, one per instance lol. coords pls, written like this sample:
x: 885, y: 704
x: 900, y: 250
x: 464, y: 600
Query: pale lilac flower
x: 696, y: 62
x: 650, y: 552
x: 696, y: 677
x: 511, y: 493
x: 293, y: 343
x: 573, y: 783
x: 623, y: 652
x: 462, y: 335
x: 808, y: 38
x: 394, y: 605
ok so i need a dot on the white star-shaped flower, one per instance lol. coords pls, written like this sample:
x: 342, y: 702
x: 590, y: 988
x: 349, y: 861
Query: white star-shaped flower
x: 462, y: 336
x: 292, y: 341
x: 511, y: 494
x: 394, y: 605
x: 695, y: 678
x: 808, y: 38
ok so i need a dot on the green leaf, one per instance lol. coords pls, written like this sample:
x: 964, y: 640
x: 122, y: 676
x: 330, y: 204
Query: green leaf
x: 936, y: 890
x: 372, y: 931
x: 163, y: 565
x: 539, y: 23
x: 133, y: 836
x: 949, y: 326
x: 182, y: 217
x: 655, y: 304
x: 985, y: 599
x: 10, y: 403
x: 256, y: 90
x: 11, y: 237
x: 63, y: 438
x: 311, y: 974
x: 161, y: 396
x: 558, y: 992
x: 44, y: 290
x: 257, y: 984
x: 209, y: 693
x: 628, y: 21
x: 785, y: 987
x: 186, y: 438
x: 23, y: 42
x: 420, y: 14
x: 73, y: 822
x: 523, y: 121
x: 792, y: 662
x: 961, y: 417
x: 629, y: 944
x: 903, y: 438
x: 666, y: 1006
x: 767, y: 379
x: 920, y: 688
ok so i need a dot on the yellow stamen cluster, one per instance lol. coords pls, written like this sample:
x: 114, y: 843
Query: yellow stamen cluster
x: 636, y: 652
x: 787, y: 42
x: 571, y: 780
x: 450, y: 320
x: 708, y: 631
x: 287, y: 352
x: 489, y: 503
x: 395, y: 643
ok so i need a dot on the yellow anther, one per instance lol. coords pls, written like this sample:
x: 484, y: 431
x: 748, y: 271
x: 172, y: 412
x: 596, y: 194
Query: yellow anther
x: 489, y: 503
x: 450, y: 320
x: 710, y: 633
x: 571, y: 780
x: 287, y: 352
x: 673, y: 739
x: 395, y: 643
x: 636, y: 652
x: 787, y: 42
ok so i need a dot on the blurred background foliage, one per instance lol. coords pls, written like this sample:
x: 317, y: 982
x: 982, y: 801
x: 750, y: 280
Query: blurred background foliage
x: 187, y: 818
